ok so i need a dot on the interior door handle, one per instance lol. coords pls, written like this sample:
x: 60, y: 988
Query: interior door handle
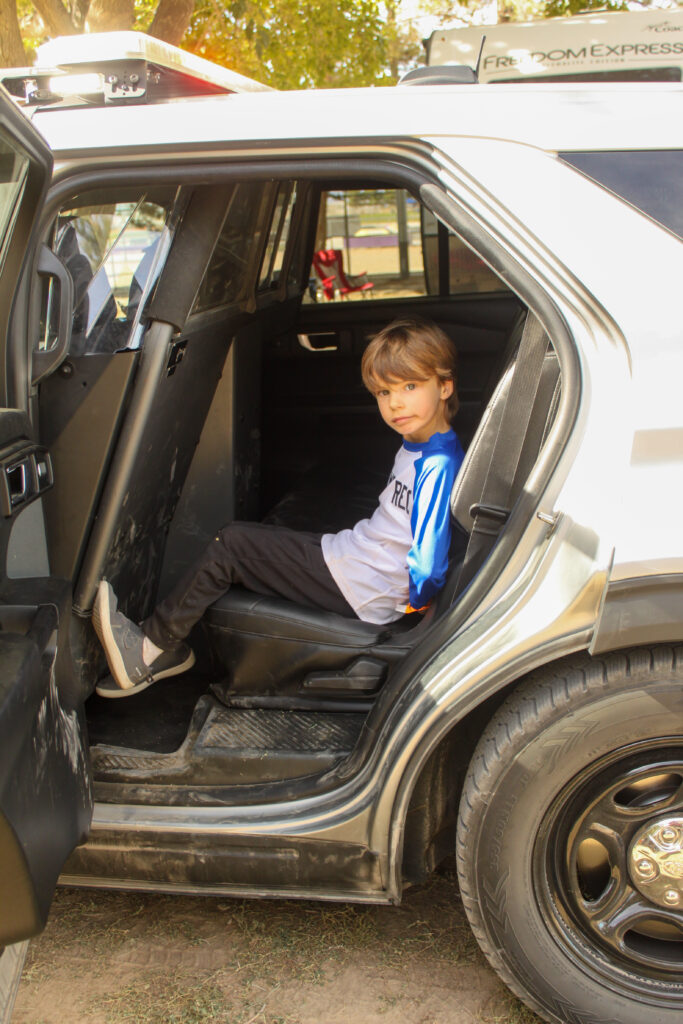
x: 45, y: 363
x: 23, y: 476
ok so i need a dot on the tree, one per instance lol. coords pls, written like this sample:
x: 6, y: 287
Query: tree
x: 293, y: 44
x: 466, y: 11
x: 166, y: 19
x: 11, y: 44
x: 285, y: 43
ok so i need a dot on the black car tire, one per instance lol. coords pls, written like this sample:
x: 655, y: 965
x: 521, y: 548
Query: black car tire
x: 11, y: 965
x: 574, y: 765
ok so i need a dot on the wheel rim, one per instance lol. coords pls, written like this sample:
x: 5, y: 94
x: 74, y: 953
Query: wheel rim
x: 612, y: 911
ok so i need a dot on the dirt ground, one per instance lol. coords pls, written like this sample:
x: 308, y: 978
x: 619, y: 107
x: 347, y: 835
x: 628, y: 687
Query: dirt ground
x: 107, y: 958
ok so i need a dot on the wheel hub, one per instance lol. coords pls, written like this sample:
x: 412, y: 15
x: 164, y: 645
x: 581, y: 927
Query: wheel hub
x: 656, y: 862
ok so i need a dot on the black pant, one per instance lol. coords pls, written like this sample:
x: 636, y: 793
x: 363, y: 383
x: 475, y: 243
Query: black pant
x: 265, y: 559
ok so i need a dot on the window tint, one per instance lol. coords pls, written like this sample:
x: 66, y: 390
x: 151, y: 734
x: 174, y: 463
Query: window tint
x: 465, y: 272
x: 652, y: 181
x: 13, y: 170
x: 227, y: 277
x: 110, y: 250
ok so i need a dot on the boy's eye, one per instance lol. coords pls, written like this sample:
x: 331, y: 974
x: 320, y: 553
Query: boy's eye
x: 383, y: 393
x: 410, y: 386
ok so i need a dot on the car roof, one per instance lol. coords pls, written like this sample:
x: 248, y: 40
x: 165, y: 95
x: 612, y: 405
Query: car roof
x: 614, y: 116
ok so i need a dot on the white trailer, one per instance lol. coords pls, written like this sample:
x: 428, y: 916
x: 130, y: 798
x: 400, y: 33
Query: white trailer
x: 618, y: 46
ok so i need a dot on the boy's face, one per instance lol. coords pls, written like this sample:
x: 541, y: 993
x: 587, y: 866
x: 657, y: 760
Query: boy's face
x: 415, y: 409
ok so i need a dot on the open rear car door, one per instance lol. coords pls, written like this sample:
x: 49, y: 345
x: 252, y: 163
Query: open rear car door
x: 45, y: 793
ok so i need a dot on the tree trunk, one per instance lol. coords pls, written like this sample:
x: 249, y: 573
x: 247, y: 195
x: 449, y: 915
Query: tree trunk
x: 55, y: 16
x: 171, y: 20
x: 110, y: 15
x: 12, y: 53
x: 79, y: 12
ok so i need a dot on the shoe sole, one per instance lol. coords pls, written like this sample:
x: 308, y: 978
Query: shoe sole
x: 114, y: 692
x: 101, y: 619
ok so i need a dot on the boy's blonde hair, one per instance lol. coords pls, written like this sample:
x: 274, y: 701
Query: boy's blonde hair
x: 411, y: 349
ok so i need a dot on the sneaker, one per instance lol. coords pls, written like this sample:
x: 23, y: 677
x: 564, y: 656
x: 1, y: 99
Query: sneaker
x: 122, y: 641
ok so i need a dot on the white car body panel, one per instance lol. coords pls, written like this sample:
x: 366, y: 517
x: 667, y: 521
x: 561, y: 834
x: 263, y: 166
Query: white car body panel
x: 549, y: 117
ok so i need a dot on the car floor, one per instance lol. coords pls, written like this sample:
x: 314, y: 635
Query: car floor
x: 157, y: 719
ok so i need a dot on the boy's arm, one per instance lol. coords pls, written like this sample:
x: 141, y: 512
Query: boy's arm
x: 431, y: 527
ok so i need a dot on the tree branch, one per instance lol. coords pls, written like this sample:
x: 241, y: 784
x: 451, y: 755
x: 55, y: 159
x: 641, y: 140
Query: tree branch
x: 171, y: 20
x: 56, y: 17
x: 110, y: 15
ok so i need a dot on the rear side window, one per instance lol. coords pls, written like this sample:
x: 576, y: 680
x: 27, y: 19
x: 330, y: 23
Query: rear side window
x: 382, y: 244
x: 651, y: 181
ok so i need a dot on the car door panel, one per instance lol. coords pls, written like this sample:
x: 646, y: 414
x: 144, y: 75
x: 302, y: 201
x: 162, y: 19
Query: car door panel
x: 45, y: 794
x: 45, y: 800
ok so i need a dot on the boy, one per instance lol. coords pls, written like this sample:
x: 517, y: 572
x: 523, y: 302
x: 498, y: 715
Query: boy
x: 385, y: 566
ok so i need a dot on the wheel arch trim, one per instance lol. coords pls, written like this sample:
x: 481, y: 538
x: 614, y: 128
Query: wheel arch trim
x: 640, y: 610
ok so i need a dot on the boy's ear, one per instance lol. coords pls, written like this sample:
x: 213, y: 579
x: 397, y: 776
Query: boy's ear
x: 446, y: 388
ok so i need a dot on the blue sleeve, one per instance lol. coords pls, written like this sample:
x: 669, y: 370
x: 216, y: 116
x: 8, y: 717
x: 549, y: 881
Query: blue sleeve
x: 430, y: 523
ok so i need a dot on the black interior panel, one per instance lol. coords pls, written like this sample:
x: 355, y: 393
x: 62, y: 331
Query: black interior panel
x: 81, y: 406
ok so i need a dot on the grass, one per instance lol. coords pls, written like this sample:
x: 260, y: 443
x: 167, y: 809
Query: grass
x: 164, y: 999
x: 181, y: 960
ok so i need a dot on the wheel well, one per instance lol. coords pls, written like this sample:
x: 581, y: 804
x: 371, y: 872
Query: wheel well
x: 431, y: 819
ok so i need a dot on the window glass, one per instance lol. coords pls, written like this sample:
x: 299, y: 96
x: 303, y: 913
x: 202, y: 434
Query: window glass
x: 367, y: 246
x: 109, y: 249
x: 467, y: 273
x: 651, y: 181
x: 277, y: 238
x: 227, y: 277
x: 381, y: 243
x: 13, y: 170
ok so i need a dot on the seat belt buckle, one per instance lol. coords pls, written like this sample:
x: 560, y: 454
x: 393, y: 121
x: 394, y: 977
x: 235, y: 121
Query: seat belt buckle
x: 494, y: 518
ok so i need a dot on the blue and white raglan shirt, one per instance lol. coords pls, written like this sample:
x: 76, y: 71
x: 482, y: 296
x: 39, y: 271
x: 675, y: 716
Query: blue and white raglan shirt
x: 397, y: 560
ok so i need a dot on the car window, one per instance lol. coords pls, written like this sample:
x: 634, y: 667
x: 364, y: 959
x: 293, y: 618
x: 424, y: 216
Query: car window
x: 367, y: 245
x: 451, y: 267
x: 229, y: 275
x: 110, y: 249
x: 273, y: 256
x: 381, y: 244
x: 14, y: 166
x: 651, y: 181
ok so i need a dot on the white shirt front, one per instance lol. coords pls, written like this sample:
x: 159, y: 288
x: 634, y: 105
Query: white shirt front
x: 368, y: 562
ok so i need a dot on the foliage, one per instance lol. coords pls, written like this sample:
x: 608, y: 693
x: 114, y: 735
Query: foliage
x: 293, y: 44
x: 285, y: 43
x: 469, y: 11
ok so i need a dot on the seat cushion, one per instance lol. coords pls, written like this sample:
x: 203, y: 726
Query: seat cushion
x: 269, y: 646
x: 241, y: 610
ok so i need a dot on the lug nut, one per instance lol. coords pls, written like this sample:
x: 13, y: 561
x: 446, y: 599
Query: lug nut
x: 668, y: 835
x: 672, y: 897
x: 645, y: 868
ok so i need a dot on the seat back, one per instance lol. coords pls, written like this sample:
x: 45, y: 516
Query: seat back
x: 469, y: 484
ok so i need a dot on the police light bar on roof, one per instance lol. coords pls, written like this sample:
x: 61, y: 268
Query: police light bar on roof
x: 120, y: 67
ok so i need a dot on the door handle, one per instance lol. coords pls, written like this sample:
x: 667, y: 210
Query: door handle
x: 23, y: 476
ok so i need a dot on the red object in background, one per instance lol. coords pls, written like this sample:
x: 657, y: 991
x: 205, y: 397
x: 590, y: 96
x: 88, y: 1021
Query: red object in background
x: 329, y: 266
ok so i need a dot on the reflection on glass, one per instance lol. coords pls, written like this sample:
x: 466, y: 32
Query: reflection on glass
x: 109, y: 251
x: 13, y: 171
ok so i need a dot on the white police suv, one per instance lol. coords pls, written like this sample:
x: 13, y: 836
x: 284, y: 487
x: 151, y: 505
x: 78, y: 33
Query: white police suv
x: 188, y: 283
